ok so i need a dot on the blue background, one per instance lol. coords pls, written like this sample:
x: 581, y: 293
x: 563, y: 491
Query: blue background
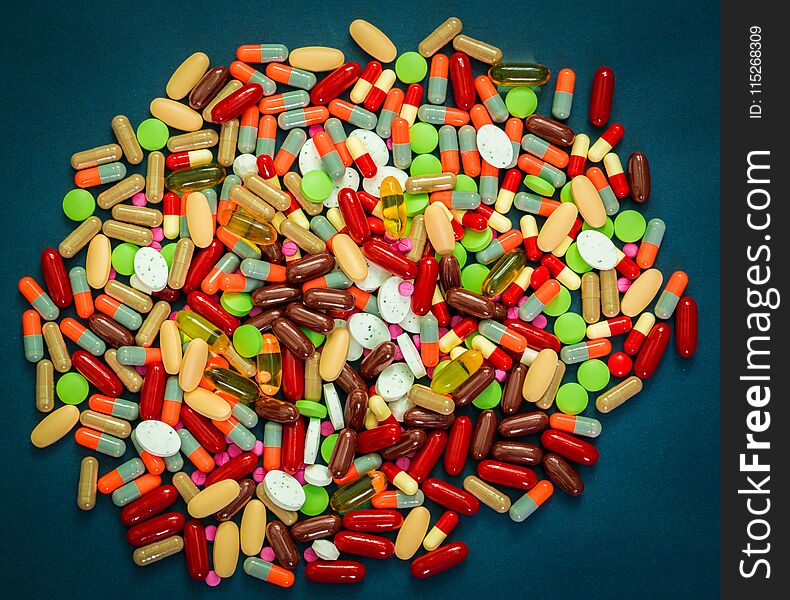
x: 647, y: 524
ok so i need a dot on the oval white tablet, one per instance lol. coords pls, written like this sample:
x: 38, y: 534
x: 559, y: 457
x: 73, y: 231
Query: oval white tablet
x: 411, y: 322
x: 394, y: 382
x: 372, y: 185
x: 368, y: 330
x: 393, y: 307
x: 317, y: 475
x: 494, y: 146
x: 350, y: 179
x: 377, y: 148
x: 151, y: 268
x: 411, y: 355
x: 309, y: 159
x: 284, y: 490
x: 399, y: 407
x: 157, y: 438
x: 376, y: 276
x: 134, y: 281
x: 245, y: 164
x: 325, y: 550
x: 596, y: 250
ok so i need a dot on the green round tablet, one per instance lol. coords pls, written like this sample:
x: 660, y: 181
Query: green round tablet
x: 152, y: 134
x: 425, y: 164
x: 539, y: 185
x: 411, y: 67
x: 78, y: 204
x: 607, y: 229
x: 311, y: 409
x: 464, y: 183
x: 72, y: 388
x: 327, y: 446
x: 314, y: 336
x: 489, y: 397
x: 575, y: 261
x: 468, y: 340
x: 566, y: 193
x: 459, y: 252
x: 570, y: 328
x: 123, y: 258
x: 571, y: 398
x: 167, y: 252
x: 593, y: 374
x: 316, y: 499
x: 247, y: 340
x: 560, y: 304
x: 239, y: 304
x: 415, y: 204
x: 475, y: 241
x: 423, y: 137
x: 472, y: 277
x: 316, y: 186
x: 629, y: 226
x: 521, y: 101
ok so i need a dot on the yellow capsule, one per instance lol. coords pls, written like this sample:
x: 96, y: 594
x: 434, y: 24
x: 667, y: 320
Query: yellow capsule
x: 158, y: 550
x: 393, y: 207
x: 547, y: 399
x: 106, y: 423
x: 426, y: 398
x: 243, y: 224
x: 418, y: 236
x: 456, y: 372
x: 270, y: 366
x: 195, y: 326
x: 185, y: 486
x: 487, y: 494
x: 482, y: 51
x: 440, y: 36
x: 504, y: 272
x: 614, y: 397
x: 293, y: 182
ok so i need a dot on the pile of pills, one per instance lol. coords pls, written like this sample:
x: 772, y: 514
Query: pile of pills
x: 238, y: 315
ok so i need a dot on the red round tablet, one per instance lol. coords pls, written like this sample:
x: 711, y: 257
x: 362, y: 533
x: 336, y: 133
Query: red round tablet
x: 620, y: 364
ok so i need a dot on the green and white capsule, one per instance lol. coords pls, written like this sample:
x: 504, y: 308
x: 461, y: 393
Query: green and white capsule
x: 321, y: 226
x: 132, y: 356
x: 174, y: 463
x: 531, y: 501
x: 238, y: 434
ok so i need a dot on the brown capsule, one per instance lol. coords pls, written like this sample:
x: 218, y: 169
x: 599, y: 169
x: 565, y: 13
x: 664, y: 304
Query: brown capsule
x: 167, y: 294
x: 329, y: 299
x: 112, y: 332
x: 309, y: 319
x: 563, y: 474
x: 246, y: 492
x: 309, y: 267
x: 379, y: 359
x: 410, y: 441
x: 273, y: 253
x: 343, y: 453
x: 520, y: 453
x: 483, y: 434
x: 355, y: 409
x: 550, y: 130
x: 263, y: 320
x: 293, y: 338
x: 470, y: 303
x: 427, y: 419
x: 523, y: 424
x: 274, y: 295
x: 511, y: 393
x: 273, y: 409
x: 349, y: 380
x: 316, y: 528
x: 449, y: 272
x: 500, y: 313
x: 283, y: 545
x: 207, y: 87
x: 639, y: 177
x: 474, y: 386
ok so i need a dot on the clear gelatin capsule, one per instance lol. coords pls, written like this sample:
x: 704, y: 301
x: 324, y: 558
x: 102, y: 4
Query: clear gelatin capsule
x: 456, y: 372
x: 393, y: 207
x: 504, y: 272
x: 195, y: 179
x: 195, y: 326
x: 514, y: 74
x: 440, y: 37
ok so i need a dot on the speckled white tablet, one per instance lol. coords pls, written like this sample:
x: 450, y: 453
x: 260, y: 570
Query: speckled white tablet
x: 333, y: 406
x: 312, y: 440
x: 372, y: 185
x: 411, y: 322
x: 368, y: 330
x: 393, y: 307
x: 350, y: 179
x: 245, y: 164
x: 325, y: 550
x: 134, y: 281
x: 411, y: 355
x: 394, y: 382
x: 151, y: 268
x: 494, y: 146
x: 596, y: 250
x: 377, y: 148
x: 317, y: 475
x: 399, y: 407
x: 284, y: 490
x: 157, y: 438
x: 309, y: 159
x: 376, y: 276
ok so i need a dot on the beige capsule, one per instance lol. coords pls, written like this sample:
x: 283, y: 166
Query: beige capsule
x: 80, y: 237
x: 482, y: 51
x: 127, y: 138
x: 98, y: 261
x: 412, y: 532
x: 192, y: 365
x: 106, y: 423
x: 153, y: 322
x: 293, y: 183
x: 316, y: 58
x: 250, y: 202
x: 126, y: 232
x: 230, y: 87
x: 487, y: 494
x: 349, y: 258
x: 439, y: 229
x: 156, y: 551
x: 591, y: 298
x: 426, y: 398
x: 253, y: 527
x: 614, y: 397
x: 86, y: 486
x: 176, y: 115
x: 96, y: 156
x: 245, y: 366
x: 213, y: 498
x: 610, y: 295
x: 588, y: 201
x: 209, y: 405
x: 440, y: 37
x: 55, y: 425
x: 194, y: 140
x: 641, y: 293
x: 372, y: 40
x: 121, y: 191
x: 45, y: 386
x: 137, y: 215
x: 547, y: 399
x: 228, y: 137
x: 155, y: 177
x: 306, y: 240
x: 269, y: 192
x: 133, y: 298
x: 56, y: 346
x: 182, y: 259
x: 187, y: 76
x: 333, y: 358
x: 185, y: 486
x: 200, y: 220
x: 557, y: 226
x: 170, y: 345
x: 418, y: 236
x: 425, y: 184
x: 130, y: 378
x: 288, y: 517
x: 539, y: 375
x: 226, y: 549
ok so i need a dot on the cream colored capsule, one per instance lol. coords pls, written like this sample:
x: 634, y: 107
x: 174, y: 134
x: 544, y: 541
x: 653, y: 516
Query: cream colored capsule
x: 614, y: 397
x: 195, y: 140
x: 185, y: 486
x: 55, y: 425
x: 80, y: 237
x: 230, y: 87
x: 137, y: 215
x: 539, y: 375
x: 131, y: 297
x: 349, y: 258
x: 316, y: 58
x: 588, y: 201
x: 641, y: 292
x: 155, y: 177
x: 372, y: 40
x: 96, y: 156
x: 158, y: 550
x: 213, y: 498
x: 170, y: 344
x: 253, y: 527
x: 199, y: 219
x: 250, y: 202
x: 426, y: 398
x: 288, y: 517
x: 106, y: 423
x: 243, y: 365
x: 192, y: 365
x: 226, y: 549
x: 435, y: 182
x: 130, y: 378
x: 126, y: 232
x: 127, y: 139
x: 440, y: 36
x: 439, y: 229
x: 487, y: 494
x: 557, y: 226
x: 182, y: 259
x: 86, y: 487
x: 98, y: 261
x: 176, y: 115
x: 121, y: 191
x: 208, y: 404
x: 333, y: 357
x: 150, y: 328
x: 228, y: 137
x: 45, y: 385
x: 305, y: 239
x: 187, y: 76
x: 482, y: 51
x: 56, y: 346
x: 268, y: 191
x: 412, y: 532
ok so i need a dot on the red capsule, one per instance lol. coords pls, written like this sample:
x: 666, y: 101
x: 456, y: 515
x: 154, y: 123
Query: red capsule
x: 293, y: 375
x: 538, y: 339
x: 628, y: 268
x: 203, y: 429
x: 376, y: 226
x: 201, y: 265
x: 265, y: 166
x: 56, y: 278
x: 236, y: 103
x: 378, y: 252
x: 334, y: 84
x: 152, y: 395
x: 601, y: 96
x: 236, y: 468
x: 427, y: 456
x: 539, y: 276
x: 293, y: 446
x: 686, y: 319
x: 149, y: 505
x: 364, y: 544
x: 458, y: 445
x: 569, y: 446
x: 462, y: 80
x: 440, y: 560
x: 652, y: 351
x: 353, y: 215
x: 424, y: 285
x: 97, y: 373
x: 372, y: 520
x: 450, y: 496
x: 515, y: 476
x: 334, y: 571
x: 208, y: 308
x: 378, y: 438
x: 196, y: 550
x: 157, y: 528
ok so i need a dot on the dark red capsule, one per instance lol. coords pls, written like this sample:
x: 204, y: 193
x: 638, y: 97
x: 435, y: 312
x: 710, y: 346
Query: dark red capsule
x: 56, y: 278
x: 686, y: 327
x: 601, y: 96
x: 157, y: 528
x: 236, y: 103
x: 149, y: 505
x: 196, y: 550
x: 569, y: 446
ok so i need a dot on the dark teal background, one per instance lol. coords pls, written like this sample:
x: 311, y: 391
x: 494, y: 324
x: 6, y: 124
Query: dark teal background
x: 647, y: 524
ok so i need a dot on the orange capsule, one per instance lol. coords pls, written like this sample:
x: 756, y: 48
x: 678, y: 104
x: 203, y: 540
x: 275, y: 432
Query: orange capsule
x: 479, y: 116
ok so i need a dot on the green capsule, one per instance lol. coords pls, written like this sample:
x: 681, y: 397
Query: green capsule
x: 437, y: 89
x: 174, y: 463
x: 321, y: 226
x: 404, y: 501
x: 515, y: 74
x: 362, y: 118
x: 233, y: 383
x: 195, y: 178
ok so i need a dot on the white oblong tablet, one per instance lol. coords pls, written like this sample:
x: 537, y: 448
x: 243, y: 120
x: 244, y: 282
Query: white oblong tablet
x: 284, y: 490
x: 355, y: 349
x: 368, y: 330
x: 157, y: 438
x: 494, y: 146
x: 376, y: 276
x: 394, y: 382
x: 317, y: 475
x: 393, y: 307
x: 411, y: 355
x: 245, y: 164
x: 151, y: 268
x: 333, y: 406
x: 372, y: 185
x: 596, y: 250
x: 377, y: 148
x: 309, y: 159
x: 411, y: 322
x: 325, y: 550
x: 350, y: 179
